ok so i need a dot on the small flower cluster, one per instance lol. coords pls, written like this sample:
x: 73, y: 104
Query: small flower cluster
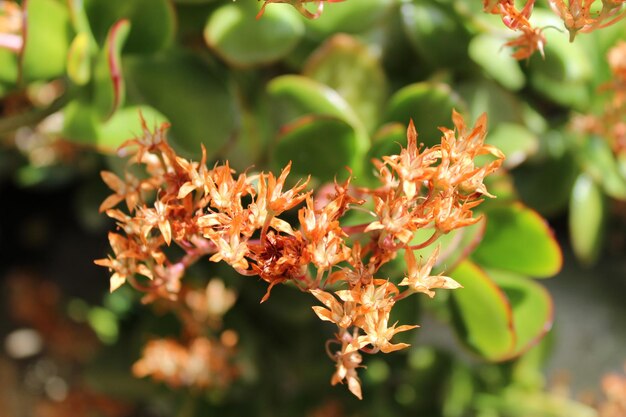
x: 611, y: 123
x: 614, y: 389
x: 236, y: 219
x: 577, y: 15
x: 203, y: 360
x: 301, y: 6
x: 204, y: 363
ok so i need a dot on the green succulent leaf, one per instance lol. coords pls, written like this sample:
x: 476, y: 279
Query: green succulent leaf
x: 486, y: 96
x: 110, y: 88
x: 351, y: 68
x: 482, y: 314
x: 153, y: 22
x: 587, y: 212
x: 430, y: 106
x: 515, y: 141
x: 195, y: 97
x: 487, y: 51
x: 564, y: 73
x: 297, y: 96
x: 47, y: 36
x: 239, y: 38
x: 436, y: 33
x: 517, y: 239
x: 79, y: 60
x: 533, y: 309
x: 598, y: 161
x: 349, y: 17
x: 83, y: 125
x: 8, y: 67
x: 321, y: 146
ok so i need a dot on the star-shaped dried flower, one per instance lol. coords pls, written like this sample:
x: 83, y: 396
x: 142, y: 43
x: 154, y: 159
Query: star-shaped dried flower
x: 379, y: 334
x: 419, y: 279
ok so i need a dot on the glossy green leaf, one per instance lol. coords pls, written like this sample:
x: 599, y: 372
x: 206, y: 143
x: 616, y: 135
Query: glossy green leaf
x: 80, y: 20
x: 436, y: 33
x: 110, y: 88
x: 348, y: 17
x: 126, y: 124
x: 234, y: 33
x: 430, y: 106
x: 587, y: 216
x: 83, y: 125
x: 486, y: 96
x: 296, y: 96
x: 564, y: 73
x: 517, y: 239
x: 153, y: 23
x: 533, y: 309
x: 80, y: 121
x: 8, y: 67
x: 482, y: 314
x: 354, y: 71
x: 196, y: 98
x: 545, y: 185
x: 322, y: 146
x: 487, y: 51
x: 515, y: 141
x: 46, y: 40
x: 598, y: 161
x: 79, y: 60
x: 387, y: 140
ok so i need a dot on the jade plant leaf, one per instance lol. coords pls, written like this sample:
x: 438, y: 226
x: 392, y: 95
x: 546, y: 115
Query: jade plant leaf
x: 487, y: 51
x: 79, y: 60
x: 487, y: 96
x: 482, y: 314
x: 353, y: 70
x: 110, y: 88
x: 515, y: 141
x: 195, y: 97
x: 587, y: 217
x: 348, y: 17
x: 234, y: 33
x: 83, y: 125
x: 322, y: 146
x: 436, y: 33
x: 517, y: 239
x: 296, y: 96
x: 533, y: 309
x: 8, y: 67
x: 564, y: 73
x: 546, y: 185
x: 47, y: 37
x: 430, y: 105
x: 153, y: 22
x: 598, y: 161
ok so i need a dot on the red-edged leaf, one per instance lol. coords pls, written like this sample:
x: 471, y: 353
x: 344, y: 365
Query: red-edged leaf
x: 110, y: 88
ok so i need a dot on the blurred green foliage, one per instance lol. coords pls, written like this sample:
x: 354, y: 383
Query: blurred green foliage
x: 329, y: 94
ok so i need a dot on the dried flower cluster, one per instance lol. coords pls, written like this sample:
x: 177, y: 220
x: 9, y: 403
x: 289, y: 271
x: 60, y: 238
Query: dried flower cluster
x: 579, y: 16
x: 611, y: 123
x: 614, y: 389
x: 211, y: 212
x: 204, y: 363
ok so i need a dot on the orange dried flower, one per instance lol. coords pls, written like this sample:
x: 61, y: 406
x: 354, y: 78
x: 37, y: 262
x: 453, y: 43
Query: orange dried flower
x: 202, y: 364
x: 418, y: 277
x: 214, y: 213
